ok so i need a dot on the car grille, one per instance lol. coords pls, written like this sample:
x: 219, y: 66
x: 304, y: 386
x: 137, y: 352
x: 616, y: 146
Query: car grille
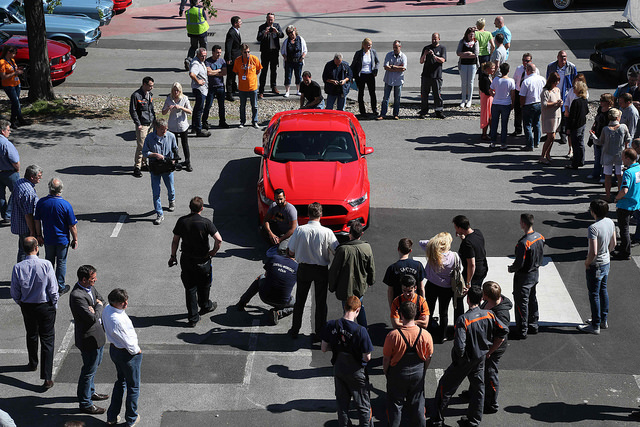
x: 327, y: 210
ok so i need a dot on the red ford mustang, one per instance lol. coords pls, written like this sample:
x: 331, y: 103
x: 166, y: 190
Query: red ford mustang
x: 61, y: 61
x: 316, y: 156
x: 121, y: 5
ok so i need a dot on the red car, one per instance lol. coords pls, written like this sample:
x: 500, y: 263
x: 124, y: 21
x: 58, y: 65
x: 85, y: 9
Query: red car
x: 316, y: 156
x: 61, y: 61
x: 121, y: 5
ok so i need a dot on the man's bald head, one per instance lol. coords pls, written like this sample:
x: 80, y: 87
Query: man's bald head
x: 30, y: 245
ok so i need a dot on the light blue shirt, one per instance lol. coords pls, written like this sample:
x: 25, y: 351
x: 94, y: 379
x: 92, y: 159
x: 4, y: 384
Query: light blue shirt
x: 8, y: 155
x: 34, y: 281
x: 507, y: 36
x: 394, y: 78
x: 631, y: 181
x: 165, y: 145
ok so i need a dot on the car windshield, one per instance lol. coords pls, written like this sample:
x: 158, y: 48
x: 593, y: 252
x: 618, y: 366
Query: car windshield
x: 307, y: 146
x: 17, y: 10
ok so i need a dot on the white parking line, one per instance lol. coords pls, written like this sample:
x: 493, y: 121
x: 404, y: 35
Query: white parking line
x: 116, y: 229
x: 556, y: 306
x: 253, y: 341
x: 64, y: 348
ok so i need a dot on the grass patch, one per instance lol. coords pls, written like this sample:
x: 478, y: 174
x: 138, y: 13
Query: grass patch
x: 45, y: 108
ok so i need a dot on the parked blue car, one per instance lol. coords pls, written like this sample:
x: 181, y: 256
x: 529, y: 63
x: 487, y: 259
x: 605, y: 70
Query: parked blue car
x: 76, y: 31
x: 100, y: 10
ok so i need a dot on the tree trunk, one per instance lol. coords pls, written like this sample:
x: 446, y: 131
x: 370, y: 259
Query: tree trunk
x: 40, y: 72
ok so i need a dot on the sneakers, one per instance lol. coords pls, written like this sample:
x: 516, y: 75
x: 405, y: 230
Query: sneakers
x: 462, y: 104
x: 286, y: 94
x: 603, y: 324
x: 172, y: 205
x: 589, y: 329
x: 492, y: 145
x: 158, y: 220
x: 255, y: 125
x: 468, y: 104
x: 241, y: 125
x: 203, y: 134
x: 114, y: 422
x: 135, y: 423
x: 274, y: 316
x: 64, y: 290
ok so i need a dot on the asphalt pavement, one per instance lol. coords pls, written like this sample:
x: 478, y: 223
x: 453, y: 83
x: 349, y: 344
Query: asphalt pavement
x: 233, y: 369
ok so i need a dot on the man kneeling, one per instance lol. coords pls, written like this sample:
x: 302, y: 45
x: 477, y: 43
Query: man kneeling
x: 275, y: 285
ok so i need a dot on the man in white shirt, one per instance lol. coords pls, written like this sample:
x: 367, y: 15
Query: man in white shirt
x: 126, y: 355
x: 530, y: 91
x: 200, y: 87
x: 310, y: 245
x: 518, y: 76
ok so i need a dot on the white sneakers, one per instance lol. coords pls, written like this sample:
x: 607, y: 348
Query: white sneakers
x: 158, y: 220
x: 286, y: 94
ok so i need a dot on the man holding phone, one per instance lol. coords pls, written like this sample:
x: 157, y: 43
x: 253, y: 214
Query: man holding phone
x: 269, y: 35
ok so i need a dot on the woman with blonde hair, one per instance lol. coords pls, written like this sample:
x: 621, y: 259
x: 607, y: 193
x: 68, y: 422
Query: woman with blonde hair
x: 614, y: 139
x: 365, y: 69
x: 570, y: 97
x: 440, y: 261
x: 178, y: 106
x: 485, y: 41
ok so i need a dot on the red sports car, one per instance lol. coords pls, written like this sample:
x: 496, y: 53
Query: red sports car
x: 121, y: 5
x: 316, y: 156
x: 61, y: 61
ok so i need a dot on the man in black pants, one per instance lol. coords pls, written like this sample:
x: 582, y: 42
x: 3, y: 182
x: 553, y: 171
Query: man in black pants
x: 195, y: 261
x: 478, y: 334
x: 269, y: 35
x: 529, y: 253
x: 433, y: 56
x: 351, y: 347
x: 232, y: 50
x: 34, y: 288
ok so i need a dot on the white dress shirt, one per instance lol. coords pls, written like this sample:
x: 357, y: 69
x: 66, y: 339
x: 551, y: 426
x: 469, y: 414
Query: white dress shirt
x: 312, y: 243
x: 119, y: 329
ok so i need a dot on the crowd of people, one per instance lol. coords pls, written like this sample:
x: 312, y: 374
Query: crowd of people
x: 302, y: 255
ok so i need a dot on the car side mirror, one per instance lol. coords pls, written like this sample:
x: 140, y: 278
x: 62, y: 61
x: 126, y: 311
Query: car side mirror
x: 367, y: 150
x: 259, y: 151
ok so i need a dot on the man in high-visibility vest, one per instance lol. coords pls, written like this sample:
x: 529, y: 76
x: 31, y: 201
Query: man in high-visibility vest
x: 197, y: 27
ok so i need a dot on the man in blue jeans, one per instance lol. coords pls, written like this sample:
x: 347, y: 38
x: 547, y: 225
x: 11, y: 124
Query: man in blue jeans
x: 9, y: 169
x: 395, y: 64
x: 602, y: 240
x: 86, y: 305
x: 337, y: 82
x: 530, y: 92
x: 54, y: 216
x: 23, y: 207
x: 126, y: 355
x: 628, y: 201
x: 216, y: 71
x: 161, y: 148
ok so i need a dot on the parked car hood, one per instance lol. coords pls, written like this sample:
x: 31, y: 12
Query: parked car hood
x: 63, y: 23
x: 618, y: 43
x: 321, y: 181
x: 54, y: 48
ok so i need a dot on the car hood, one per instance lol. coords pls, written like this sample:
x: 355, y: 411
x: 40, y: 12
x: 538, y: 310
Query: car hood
x: 85, y: 4
x: 63, y: 23
x: 618, y: 43
x: 316, y: 181
x: 54, y: 48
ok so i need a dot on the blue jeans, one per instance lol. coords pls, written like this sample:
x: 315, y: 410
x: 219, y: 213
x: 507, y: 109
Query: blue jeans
x: 598, y: 296
x: 467, y: 78
x: 218, y: 93
x: 397, y: 92
x: 597, y: 161
x: 196, y: 120
x: 91, y: 359
x: 531, y: 123
x: 296, y: 69
x: 57, y: 256
x: 253, y: 98
x: 128, y: 368
x: 499, y: 113
x: 332, y: 99
x: 13, y: 92
x: 155, y: 189
x: 7, y: 180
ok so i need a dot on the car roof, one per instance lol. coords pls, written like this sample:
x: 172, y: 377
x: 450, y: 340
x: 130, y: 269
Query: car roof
x: 5, y: 3
x: 310, y: 120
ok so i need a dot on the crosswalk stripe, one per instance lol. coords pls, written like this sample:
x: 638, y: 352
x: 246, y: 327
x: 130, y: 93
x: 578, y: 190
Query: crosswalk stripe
x: 555, y: 304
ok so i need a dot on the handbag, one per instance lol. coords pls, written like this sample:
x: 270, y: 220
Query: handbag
x: 458, y: 283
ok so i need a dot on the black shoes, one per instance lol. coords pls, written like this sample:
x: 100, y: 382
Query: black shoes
x: 229, y: 97
x: 205, y: 125
x: 440, y: 115
x: 223, y: 125
x: 212, y: 307
x: 93, y: 410
x: 203, y: 134
x: 137, y: 173
x: 240, y: 307
x: 64, y: 290
x: 47, y: 384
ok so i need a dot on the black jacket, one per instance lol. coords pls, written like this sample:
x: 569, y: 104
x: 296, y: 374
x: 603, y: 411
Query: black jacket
x: 264, y: 41
x: 141, y: 109
x: 232, y: 44
x: 356, y: 64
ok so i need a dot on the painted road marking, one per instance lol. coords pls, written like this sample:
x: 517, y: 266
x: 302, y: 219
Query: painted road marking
x: 116, y: 229
x: 64, y: 348
x: 555, y: 304
x: 253, y: 341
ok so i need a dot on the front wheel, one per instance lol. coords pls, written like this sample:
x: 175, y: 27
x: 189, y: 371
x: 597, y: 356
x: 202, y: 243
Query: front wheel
x: 634, y: 66
x: 561, y: 4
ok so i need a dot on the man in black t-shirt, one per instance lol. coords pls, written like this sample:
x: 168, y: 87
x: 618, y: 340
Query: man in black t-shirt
x: 310, y: 92
x: 433, y: 56
x: 472, y: 254
x: 351, y: 347
x: 195, y: 261
x: 404, y: 265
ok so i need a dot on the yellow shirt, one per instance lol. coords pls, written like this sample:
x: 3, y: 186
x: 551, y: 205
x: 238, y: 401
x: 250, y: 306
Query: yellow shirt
x: 247, y: 72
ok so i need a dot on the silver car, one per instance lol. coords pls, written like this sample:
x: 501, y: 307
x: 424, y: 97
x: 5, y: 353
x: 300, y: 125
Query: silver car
x: 100, y: 10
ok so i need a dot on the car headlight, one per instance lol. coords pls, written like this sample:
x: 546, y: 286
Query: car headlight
x: 357, y: 202
x: 267, y: 201
x: 610, y: 59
